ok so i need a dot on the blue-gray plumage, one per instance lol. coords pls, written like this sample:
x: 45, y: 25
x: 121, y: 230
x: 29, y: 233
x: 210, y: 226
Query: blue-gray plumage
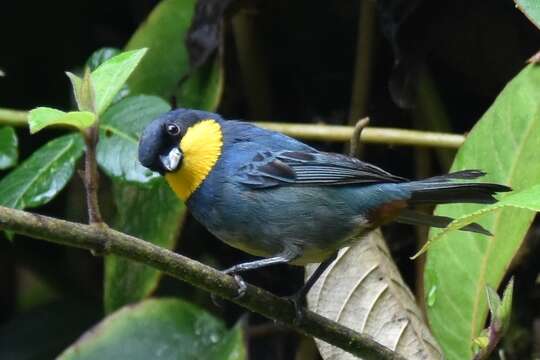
x: 276, y: 197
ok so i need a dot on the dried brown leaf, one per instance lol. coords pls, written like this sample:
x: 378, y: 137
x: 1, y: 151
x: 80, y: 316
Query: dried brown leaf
x: 364, y: 290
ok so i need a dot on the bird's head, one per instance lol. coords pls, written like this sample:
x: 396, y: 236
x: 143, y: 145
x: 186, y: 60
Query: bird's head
x: 183, y: 145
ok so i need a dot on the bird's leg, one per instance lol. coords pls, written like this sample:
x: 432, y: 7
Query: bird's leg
x: 299, y: 297
x: 252, y: 265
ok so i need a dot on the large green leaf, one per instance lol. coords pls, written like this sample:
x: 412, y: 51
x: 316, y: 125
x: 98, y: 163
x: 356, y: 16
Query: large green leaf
x: 531, y: 9
x: 163, y: 33
x: 120, y: 129
x: 8, y: 147
x: 39, y: 178
x: 527, y: 199
x: 159, y: 329
x: 504, y: 143
x: 153, y: 214
x: 110, y: 76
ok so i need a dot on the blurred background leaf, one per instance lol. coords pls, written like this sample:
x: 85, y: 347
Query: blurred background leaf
x: 126, y: 281
x: 460, y: 265
x: 43, y: 175
x: 166, y: 63
x: 120, y: 128
x: 9, y: 152
x: 164, y: 329
x: 531, y: 9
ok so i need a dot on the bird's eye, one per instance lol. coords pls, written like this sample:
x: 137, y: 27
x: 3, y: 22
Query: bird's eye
x: 173, y: 129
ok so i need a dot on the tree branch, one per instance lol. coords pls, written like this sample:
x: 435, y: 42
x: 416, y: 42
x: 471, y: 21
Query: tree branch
x: 318, y: 132
x: 103, y: 240
x: 372, y: 135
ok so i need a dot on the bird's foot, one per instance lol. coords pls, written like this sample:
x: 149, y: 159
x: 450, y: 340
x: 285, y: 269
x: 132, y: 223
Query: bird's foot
x: 240, y: 283
x: 241, y: 288
x: 298, y: 300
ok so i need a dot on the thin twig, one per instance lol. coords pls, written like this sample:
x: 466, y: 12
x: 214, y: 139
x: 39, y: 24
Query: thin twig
x: 91, y: 176
x: 356, y: 143
x: 104, y: 240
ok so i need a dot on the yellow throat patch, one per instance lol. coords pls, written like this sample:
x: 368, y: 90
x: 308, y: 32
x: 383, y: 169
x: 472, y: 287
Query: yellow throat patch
x: 201, y: 146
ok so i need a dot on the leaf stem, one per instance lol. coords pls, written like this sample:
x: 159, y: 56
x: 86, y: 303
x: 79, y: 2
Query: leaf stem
x: 91, y: 176
x: 103, y: 240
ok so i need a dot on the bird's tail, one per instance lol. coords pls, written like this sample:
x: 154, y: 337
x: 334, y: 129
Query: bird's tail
x: 444, y: 190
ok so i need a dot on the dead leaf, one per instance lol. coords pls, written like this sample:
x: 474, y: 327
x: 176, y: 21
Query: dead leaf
x: 364, y: 290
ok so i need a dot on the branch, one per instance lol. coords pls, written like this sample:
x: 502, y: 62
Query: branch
x: 13, y: 117
x: 317, y: 132
x: 103, y: 240
x: 91, y: 175
x: 372, y: 135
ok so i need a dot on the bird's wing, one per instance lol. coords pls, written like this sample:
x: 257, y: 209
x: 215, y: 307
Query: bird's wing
x: 268, y: 169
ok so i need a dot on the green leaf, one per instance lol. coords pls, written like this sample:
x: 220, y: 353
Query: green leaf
x: 40, y: 177
x: 83, y: 91
x: 505, y: 309
x: 528, y: 199
x: 531, y: 9
x: 8, y: 147
x: 153, y: 214
x: 493, y: 299
x: 164, y: 329
x: 460, y: 265
x: 120, y: 128
x: 42, y: 117
x: 110, y: 76
x: 163, y: 33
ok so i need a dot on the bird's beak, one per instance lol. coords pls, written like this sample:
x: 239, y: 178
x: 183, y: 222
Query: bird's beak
x: 171, y: 162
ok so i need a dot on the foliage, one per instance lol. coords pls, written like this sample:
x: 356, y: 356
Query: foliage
x: 460, y: 265
x: 165, y: 329
x: 8, y: 147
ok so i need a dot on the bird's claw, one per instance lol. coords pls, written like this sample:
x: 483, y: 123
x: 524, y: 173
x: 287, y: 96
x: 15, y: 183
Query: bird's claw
x: 241, y: 288
x: 299, y: 310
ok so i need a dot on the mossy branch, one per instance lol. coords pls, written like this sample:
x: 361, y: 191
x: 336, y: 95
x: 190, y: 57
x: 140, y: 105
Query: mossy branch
x: 103, y: 240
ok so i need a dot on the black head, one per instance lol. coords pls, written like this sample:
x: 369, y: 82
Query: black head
x: 159, y: 144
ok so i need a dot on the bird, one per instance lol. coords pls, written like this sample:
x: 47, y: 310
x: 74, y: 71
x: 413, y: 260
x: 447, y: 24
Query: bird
x: 279, y: 199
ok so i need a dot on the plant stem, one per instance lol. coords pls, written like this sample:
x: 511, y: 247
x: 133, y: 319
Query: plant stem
x: 104, y: 240
x: 390, y: 136
x: 91, y: 176
x: 13, y: 117
x: 362, y: 66
x: 318, y: 132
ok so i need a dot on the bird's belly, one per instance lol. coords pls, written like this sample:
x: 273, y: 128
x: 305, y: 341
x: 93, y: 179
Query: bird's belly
x: 310, y: 221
